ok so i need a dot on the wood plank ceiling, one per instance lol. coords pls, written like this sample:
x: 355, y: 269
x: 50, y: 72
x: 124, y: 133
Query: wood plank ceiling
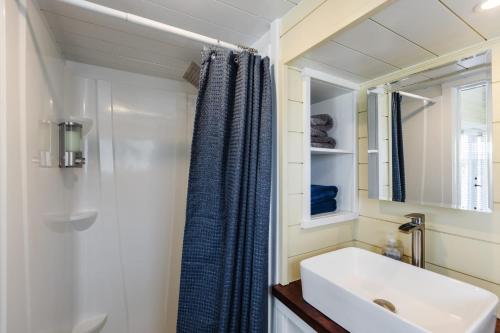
x: 405, y: 33
x: 96, y: 39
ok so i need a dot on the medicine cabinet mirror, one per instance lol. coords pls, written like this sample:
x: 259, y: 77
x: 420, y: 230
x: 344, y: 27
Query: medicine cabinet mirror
x: 429, y: 137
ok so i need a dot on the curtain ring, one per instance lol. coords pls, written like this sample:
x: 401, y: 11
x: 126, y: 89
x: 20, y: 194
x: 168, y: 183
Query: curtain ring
x: 236, y: 60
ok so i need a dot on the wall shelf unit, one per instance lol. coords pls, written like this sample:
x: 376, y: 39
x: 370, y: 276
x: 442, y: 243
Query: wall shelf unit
x: 326, y: 94
x: 325, y: 151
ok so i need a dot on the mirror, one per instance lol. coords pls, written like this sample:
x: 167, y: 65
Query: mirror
x: 429, y: 137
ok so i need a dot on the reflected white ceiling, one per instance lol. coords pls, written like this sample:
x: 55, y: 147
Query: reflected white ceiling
x: 404, y: 33
x: 96, y: 39
x: 468, y: 66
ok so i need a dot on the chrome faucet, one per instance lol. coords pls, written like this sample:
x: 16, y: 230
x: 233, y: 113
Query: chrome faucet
x: 417, y: 229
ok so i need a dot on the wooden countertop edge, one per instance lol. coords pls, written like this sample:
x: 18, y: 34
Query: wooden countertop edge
x: 291, y: 296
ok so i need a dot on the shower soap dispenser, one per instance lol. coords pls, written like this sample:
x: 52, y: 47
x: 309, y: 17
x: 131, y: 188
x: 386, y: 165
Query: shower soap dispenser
x: 70, y: 145
x: 393, y: 250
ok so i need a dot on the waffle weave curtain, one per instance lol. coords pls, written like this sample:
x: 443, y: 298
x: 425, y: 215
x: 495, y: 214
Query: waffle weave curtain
x: 224, y: 271
x: 398, y: 160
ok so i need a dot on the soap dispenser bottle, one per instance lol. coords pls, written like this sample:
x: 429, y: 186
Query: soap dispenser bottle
x: 393, y: 249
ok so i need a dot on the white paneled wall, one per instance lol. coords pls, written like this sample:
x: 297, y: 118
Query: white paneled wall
x: 462, y: 244
x: 302, y: 243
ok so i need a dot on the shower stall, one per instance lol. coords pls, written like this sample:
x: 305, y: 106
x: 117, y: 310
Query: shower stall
x: 127, y: 257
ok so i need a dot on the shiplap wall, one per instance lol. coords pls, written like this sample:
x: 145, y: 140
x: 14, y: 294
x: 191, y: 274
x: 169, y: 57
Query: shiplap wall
x: 302, y: 243
x: 460, y: 244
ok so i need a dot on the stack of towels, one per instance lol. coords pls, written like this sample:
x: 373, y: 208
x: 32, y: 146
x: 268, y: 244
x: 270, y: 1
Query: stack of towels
x: 323, y: 199
x: 320, y: 124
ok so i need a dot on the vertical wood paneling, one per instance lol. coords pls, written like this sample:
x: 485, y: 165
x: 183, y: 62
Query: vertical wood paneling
x: 294, y: 85
x: 295, y: 149
x: 495, y: 102
x: 295, y: 209
x: 294, y: 178
x: 496, y: 182
x: 363, y: 176
x: 495, y: 63
x: 363, y: 150
x: 295, y: 116
x: 363, y: 124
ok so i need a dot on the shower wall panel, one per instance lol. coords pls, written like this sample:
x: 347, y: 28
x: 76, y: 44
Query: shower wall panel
x: 36, y: 264
x: 128, y: 261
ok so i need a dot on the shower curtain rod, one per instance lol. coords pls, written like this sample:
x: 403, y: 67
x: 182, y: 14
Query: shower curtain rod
x: 145, y: 22
x: 416, y: 96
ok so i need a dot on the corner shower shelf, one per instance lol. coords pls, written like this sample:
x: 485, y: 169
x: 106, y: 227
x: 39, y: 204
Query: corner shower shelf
x: 324, y: 151
x: 92, y: 325
x: 87, y: 216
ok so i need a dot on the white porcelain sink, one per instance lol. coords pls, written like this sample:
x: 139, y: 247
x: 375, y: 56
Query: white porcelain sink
x: 343, y: 284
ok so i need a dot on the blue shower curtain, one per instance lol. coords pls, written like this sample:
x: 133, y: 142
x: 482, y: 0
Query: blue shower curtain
x: 398, y: 161
x: 225, y: 256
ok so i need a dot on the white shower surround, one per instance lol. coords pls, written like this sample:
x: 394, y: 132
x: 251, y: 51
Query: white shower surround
x: 127, y: 263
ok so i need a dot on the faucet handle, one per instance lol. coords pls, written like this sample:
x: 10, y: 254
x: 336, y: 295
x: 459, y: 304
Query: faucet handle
x: 416, y: 218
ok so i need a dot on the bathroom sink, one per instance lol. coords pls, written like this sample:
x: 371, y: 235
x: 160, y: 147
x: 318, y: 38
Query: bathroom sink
x: 344, y: 284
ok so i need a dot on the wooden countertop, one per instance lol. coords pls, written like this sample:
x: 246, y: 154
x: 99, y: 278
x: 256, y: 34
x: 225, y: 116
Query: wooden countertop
x: 291, y: 296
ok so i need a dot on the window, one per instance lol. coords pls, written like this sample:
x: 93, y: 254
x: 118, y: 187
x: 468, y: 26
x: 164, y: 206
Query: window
x: 473, y: 146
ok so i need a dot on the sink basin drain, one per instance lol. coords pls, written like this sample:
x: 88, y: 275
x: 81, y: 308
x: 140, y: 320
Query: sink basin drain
x: 385, y: 304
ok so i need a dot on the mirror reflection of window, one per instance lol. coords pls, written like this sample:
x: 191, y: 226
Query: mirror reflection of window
x: 444, y: 134
x: 473, y: 146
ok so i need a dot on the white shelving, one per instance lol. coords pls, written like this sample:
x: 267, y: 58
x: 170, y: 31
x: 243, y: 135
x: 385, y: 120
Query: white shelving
x: 330, y: 218
x: 326, y: 151
x: 338, y: 98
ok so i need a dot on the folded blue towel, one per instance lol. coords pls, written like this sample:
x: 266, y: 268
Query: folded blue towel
x: 324, y: 206
x: 324, y: 188
x: 320, y: 192
x: 323, y: 199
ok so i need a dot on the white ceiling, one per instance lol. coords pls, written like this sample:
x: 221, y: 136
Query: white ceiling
x: 405, y: 33
x: 99, y: 40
